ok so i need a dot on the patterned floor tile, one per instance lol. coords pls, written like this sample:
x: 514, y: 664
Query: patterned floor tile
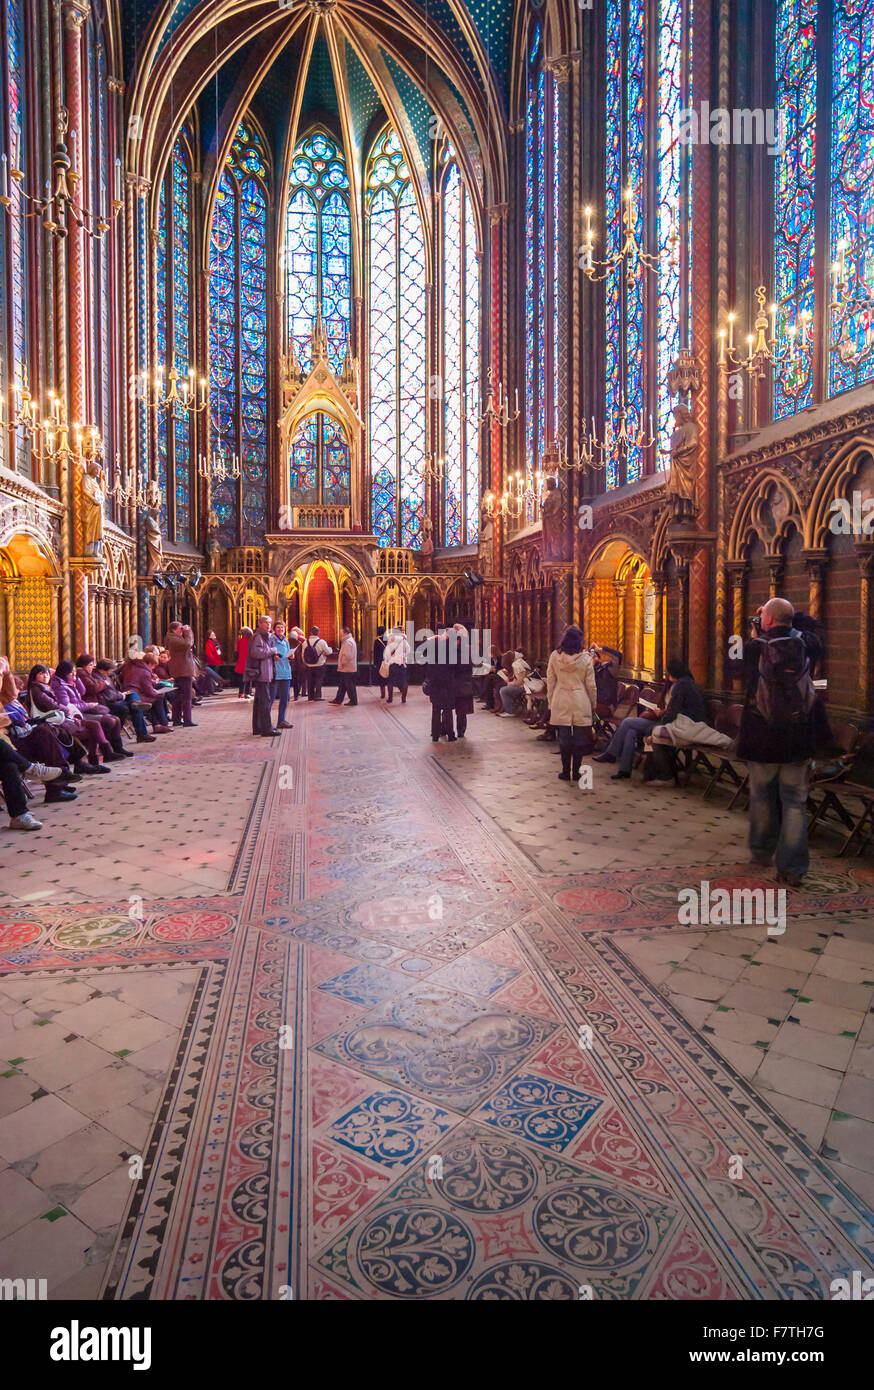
x: 391, y: 1129
x: 540, y: 1110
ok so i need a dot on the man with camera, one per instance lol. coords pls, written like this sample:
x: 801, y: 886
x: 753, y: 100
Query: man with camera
x: 778, y: 736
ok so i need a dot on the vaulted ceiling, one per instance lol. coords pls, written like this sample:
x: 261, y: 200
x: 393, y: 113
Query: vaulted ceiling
x: 349, y: 64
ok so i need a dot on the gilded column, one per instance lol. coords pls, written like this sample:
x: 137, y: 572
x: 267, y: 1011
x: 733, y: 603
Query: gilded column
x: 619, y: 587
x: 737, y: 570
x: 816, y: 564
x: 10, y: 585
x: 587, y: 589
x: 639, y: 588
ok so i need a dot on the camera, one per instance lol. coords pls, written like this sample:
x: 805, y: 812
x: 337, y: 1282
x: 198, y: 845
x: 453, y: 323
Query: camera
x: 756, y: 623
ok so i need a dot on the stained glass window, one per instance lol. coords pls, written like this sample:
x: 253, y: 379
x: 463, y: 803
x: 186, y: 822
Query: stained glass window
x: 634, y: 336
x: 238, y: 338
x: 852, y: 188
x: 795, y: 193
x: 17, y: 240
x: 320, y: 469
x: 460, y: 363
x: 397, y: 341
x: 173, y: 342
x: 543, y: 252
x: 317, y: 260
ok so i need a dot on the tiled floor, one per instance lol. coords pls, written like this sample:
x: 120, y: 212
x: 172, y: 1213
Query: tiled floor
x: 361, y: 1016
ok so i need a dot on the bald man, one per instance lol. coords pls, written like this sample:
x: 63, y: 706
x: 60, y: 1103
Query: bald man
x: 777, y: 738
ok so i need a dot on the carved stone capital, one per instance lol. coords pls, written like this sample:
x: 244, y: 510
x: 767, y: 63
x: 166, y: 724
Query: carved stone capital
x: 497, y: 213
x: 75, y: 13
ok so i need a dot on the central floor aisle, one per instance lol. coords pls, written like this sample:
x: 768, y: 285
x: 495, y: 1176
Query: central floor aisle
x: 397, y: 1020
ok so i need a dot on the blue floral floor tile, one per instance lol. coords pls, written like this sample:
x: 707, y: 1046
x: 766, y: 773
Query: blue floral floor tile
x: 365, y: 984
x: 545, y: 1112
x: 391, y: 1129
x: 475, y: 976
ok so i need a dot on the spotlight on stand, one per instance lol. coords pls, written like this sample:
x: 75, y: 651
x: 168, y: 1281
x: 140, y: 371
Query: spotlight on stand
x: 159, y: 580
x: 194, y: 577
x: 474, y: 579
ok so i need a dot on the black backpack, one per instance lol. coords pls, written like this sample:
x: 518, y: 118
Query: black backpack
x: 310, y: 654
x: 783, y: 692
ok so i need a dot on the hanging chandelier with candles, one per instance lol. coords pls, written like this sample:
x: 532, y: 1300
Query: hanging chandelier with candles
x: 631, y: 253
x: 183, y: 392
x: 57, y: 205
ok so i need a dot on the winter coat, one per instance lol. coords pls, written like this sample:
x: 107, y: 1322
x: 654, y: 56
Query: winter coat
x: 213, y: 653
x: 242, y: 655
x: 180, y: 646
x: 138, y: 677
x: 570, y: 689
x: 70, y: 695
x: 348, y: 658
x: 440, y: 675
x: 259, y: 664
x: 98, y: 687
x: 397, y: 649
x: 283, y: 664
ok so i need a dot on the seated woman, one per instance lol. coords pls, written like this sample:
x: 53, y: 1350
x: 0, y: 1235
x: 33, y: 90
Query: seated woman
x: 38, y: 742
x: 511, y: 690
x: 685, y: 698
x: 95, y: 678
x: 67, y: 686
x: 14, y: 767
x: 684, y: 723
x: 43, y: 698
x: 138, y: 675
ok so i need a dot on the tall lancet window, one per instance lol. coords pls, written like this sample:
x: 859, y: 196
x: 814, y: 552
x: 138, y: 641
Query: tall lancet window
x: 542, y: 250
x: 174, y: 341
x: 795, y: 196
x: 852, y: 189
x: 645, y: 110
x: 18, y: 259
x: 461, y: 315
x: 238, y: 338
x: 317, y: 264
x: 397, y: 347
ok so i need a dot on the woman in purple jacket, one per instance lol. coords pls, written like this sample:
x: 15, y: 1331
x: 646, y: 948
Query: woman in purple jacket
x: 65, y: 683
x: 43, y: 698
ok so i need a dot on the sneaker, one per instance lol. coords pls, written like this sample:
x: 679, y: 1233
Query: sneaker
x: 25, y: 822
x: 40, y: 773
x: 506, y: 715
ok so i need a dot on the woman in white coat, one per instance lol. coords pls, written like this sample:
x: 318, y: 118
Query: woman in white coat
x: 572, y: 695
x: 397, y: 651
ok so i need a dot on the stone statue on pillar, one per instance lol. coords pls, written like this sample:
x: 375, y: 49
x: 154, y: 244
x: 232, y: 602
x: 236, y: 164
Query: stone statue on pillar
x: 92, y: 508
x: 152, y: 529
x: 551, y: 516
x: 427, y: 546
x: 684, y: 462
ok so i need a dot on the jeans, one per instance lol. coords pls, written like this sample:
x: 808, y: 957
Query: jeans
x: 512, y: 698
x: 261, y: 707
x: 12, y: 765
x: 182, y: 705
x: 280, y: 693
x: 123, y: 709
x: 624, y: 741
x: 315, y: 676
x: 574, y: 742
x: 778, y: 815
x: 346, y: 686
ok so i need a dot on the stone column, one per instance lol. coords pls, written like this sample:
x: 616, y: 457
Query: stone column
x: 639, y: 588
x: 658, y: 584
x: 620, y: 587
x: 776, y: 566
x: 737, y: 570
x: 816, y: 564
x: 587, y: 589
x: 865, y: 558
x: 8, y: 588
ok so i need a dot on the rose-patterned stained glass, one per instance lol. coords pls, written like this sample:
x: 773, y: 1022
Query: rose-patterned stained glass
x: 460, y: 363
x: 852, y: 185
x: 397, y: 342
x: 795, y: 193
x: 673, y: 172
x: 320, y: 465
x: 173, y: 342
x: 16, y: 223
x: 238, y: 338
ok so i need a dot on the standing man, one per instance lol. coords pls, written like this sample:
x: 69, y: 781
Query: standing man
x: 182, y: 669
x: 347, y: 666
x: 261, y: 661
x: 778, y: 737
x: 315, y: 654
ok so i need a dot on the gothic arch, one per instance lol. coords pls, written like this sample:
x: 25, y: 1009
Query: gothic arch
x: 752, y: 517
x: 834, y: 482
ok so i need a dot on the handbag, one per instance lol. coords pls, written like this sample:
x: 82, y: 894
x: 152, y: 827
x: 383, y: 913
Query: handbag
x: 384, y: 671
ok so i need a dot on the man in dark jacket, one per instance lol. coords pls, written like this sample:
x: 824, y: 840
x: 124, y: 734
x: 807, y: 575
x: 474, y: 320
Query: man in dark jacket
x: 441, y: 687
x: 182, y: 669
x: 260, y: 667
x: 778, y: 738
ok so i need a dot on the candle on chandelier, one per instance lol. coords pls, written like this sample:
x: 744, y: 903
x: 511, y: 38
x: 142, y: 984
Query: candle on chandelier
x: 731, y: 319
x: 117, y: 184
x: 73, y: 134
x: 16, y: 145
x: 4, y: 176
x: 773, y: 312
